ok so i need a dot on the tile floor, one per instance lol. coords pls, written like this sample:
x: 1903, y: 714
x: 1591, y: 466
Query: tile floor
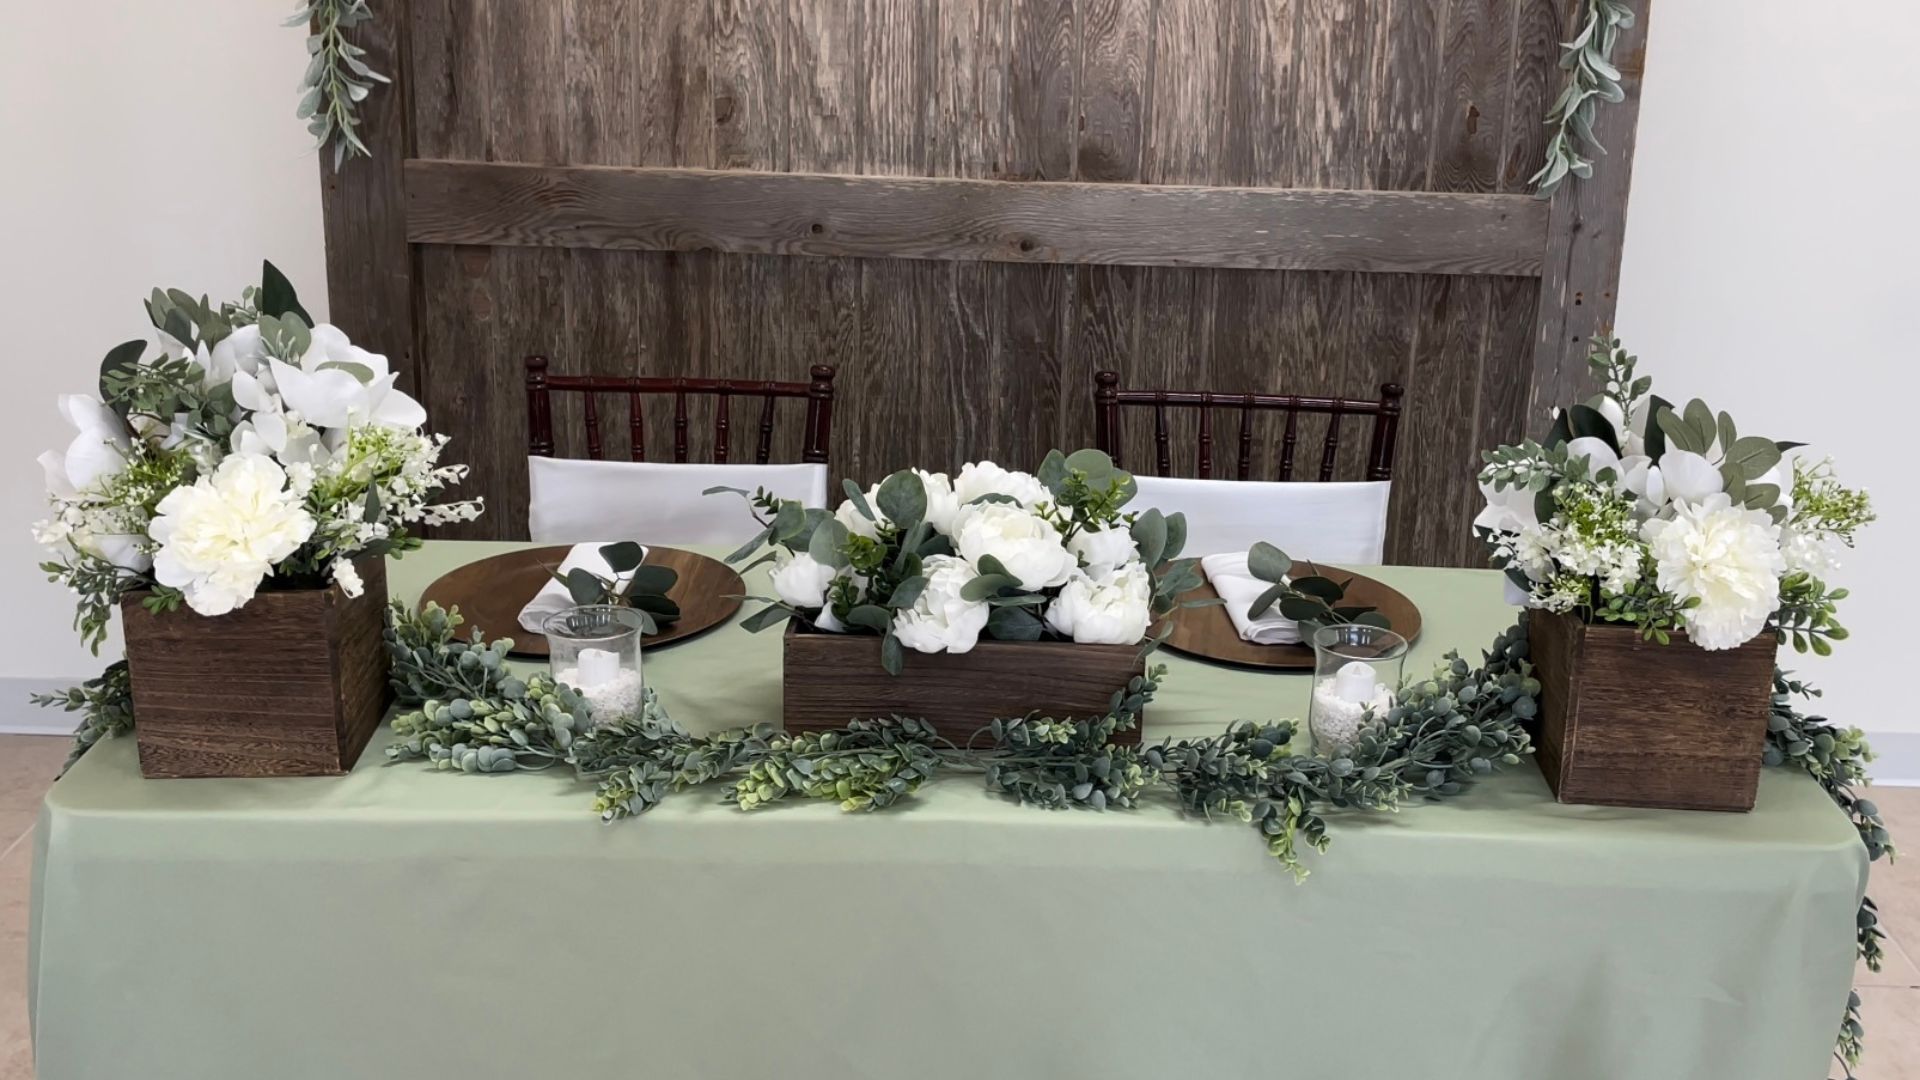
x: 1892, y: 997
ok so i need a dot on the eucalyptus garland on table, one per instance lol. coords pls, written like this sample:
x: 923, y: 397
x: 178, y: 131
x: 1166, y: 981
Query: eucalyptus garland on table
x: 337, y: 78
x: 1591, y: 79
x: 466, y: 712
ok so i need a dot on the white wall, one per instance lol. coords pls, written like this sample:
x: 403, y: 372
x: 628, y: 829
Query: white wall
x: 145, y: 144
x: 1771, y: 269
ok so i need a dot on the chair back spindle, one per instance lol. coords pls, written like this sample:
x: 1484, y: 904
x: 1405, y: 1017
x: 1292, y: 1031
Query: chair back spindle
x: 1332, y: 452
x: 542, y: 385
x: 1246, y: 436
x: 1385, y: 411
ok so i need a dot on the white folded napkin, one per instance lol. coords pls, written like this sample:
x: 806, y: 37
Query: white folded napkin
x: 1239, y: 588
x: 553, y: 597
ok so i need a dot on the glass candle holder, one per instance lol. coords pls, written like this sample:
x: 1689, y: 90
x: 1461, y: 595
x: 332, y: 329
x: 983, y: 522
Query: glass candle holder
x: 1356, y: 669
x: 596, y: 650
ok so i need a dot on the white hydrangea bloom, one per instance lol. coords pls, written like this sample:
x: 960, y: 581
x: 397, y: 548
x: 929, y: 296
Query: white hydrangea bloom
x: 221, y: 536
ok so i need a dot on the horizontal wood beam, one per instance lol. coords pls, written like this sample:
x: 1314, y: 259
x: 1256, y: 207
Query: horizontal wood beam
x: 458, y: 202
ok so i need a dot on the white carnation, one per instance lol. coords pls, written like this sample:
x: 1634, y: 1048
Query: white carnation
x: 985, y: 478
x: 219, y: 538
x: 1114, y: 610
x: 1729, y: 559
x: 800, y: 580
x: 1028, y: 546
x: 940, y: 620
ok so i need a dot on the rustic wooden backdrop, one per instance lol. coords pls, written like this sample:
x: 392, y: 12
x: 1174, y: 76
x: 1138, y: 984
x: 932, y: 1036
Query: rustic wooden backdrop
x: 1314, y: 196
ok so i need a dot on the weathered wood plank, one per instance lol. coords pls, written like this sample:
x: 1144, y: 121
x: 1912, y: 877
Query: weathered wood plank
x: 1435, y: 493
x: 604, y: 300
x: 1328, y: 132
x: 527, y: 121
x: 1471, y: 110
x: 1115, y: 42
x: 453, y: 324
x: 1586, y: 237
x: 1024, y: 376
x: 971, y: 220
x: 363, y: 207
x: 821, y: 318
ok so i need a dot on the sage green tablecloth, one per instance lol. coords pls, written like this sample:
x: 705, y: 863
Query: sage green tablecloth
x: 400, y: 923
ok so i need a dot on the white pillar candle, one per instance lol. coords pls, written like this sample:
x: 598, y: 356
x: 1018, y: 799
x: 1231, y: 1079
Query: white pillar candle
x: 1355, y: 682
x: 596, y: 666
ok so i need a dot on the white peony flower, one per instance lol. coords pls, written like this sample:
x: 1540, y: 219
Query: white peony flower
x: 1027, y: 545
x: 986, y: 478
x: 337, y: 384
x: 1104, y: 550
x: 1727, y: 557
x: 1114, y: 610
x: 800, y: 580
x: 940, y: 620
x: 222, y: 536
x: 942, y: 507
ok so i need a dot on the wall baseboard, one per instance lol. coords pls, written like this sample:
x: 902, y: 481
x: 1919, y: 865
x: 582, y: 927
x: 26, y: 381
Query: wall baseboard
x: 19, y: 716
x: 1896, y: 758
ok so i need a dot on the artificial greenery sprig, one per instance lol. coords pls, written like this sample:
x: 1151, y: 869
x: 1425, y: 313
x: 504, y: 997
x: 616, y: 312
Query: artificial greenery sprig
x: 1837, y: 759
x: 105, y: 705
x: 636, y: 584
x: 1312, y: 600
x: 337, y: 79
x: 471, y: 714
x: 1591, y: 79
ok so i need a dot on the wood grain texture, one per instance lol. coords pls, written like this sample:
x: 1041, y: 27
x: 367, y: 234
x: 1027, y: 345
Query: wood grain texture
x: 491, y: 592
x: 306, y: 703
x: 830, y: 679
x: 453, y: 202
x: 363, y: 208
x: 1586, y: 239
x: 1022, y: 273
x: 1626, y: 722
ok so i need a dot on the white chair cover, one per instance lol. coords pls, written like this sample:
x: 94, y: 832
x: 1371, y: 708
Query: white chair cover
x: 575, y: 502
x: 1340, y: 523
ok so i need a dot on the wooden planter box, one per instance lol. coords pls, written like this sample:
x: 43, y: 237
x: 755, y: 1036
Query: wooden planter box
x: 292, y: 684
x: 1626, y: 722
x: 830, y: 679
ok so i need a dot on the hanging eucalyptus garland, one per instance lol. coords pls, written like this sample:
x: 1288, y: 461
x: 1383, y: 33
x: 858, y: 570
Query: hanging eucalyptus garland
x: 337, y: 78
x: 1592, y: 79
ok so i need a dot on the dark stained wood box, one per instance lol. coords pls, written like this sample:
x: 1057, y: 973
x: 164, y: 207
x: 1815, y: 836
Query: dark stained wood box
x: 830, y: 679
x: 1627, y: 722
x: 292, y: 684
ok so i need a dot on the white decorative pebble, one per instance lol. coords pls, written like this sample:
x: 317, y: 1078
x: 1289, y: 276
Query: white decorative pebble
x: 616, y: 699
x: 1336, y: 721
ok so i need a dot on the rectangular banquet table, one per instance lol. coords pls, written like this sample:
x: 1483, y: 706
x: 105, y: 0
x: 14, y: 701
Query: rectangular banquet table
x: 403, y: 923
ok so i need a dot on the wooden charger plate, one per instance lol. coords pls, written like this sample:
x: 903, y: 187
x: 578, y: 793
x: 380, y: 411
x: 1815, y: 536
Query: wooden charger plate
x: 491, y: 592
x: 1208, y: 632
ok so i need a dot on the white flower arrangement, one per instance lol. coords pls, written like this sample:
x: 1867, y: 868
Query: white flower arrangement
x: 933, y: 563
x: 1633, y: 511
x: 255, y: 450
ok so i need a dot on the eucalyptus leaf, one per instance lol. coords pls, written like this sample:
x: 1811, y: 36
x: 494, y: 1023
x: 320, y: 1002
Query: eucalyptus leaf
x: 623, y: 556
x: 770, y: 616
x: 903, y: 499
x: 1268, y: 563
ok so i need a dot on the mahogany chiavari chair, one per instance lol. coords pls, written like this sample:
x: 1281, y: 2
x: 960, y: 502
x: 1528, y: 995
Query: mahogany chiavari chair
x: 1109, y: 400
x: 818, y: 395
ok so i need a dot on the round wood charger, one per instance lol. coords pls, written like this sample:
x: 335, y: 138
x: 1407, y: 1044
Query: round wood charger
x: 1208, y: 632
x: 491, y: 592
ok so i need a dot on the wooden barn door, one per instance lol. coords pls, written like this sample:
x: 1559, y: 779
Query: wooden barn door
x: 970, y: 206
